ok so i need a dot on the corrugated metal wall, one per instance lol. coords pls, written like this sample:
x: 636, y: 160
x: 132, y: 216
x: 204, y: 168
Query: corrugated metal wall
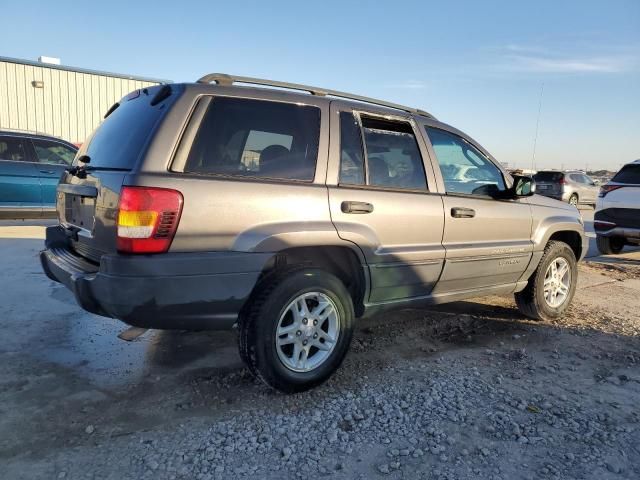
x: 70, y: 105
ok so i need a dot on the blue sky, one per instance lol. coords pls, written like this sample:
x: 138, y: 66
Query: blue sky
x: 477, y: 65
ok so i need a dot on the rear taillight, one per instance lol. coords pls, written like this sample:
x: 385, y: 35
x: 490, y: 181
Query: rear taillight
x: 604, y: 189
x: 147, y: 219
x: 563, y: 181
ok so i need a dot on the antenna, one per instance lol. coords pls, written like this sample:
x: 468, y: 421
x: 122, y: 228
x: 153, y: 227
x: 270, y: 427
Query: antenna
x: 535, y: 138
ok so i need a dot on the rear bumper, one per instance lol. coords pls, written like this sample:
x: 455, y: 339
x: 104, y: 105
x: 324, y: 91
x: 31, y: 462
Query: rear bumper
x: 200, y: 290
x: 623, y: 232
x: 618, y: 222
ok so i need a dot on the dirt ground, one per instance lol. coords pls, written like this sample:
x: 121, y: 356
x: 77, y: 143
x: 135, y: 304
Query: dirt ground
x: 465, y: 390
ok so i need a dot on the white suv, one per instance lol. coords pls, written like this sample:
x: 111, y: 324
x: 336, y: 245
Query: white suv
x: 617, y: 216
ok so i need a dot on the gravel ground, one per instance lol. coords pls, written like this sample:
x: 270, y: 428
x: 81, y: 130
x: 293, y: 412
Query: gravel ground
x: 462, y: 391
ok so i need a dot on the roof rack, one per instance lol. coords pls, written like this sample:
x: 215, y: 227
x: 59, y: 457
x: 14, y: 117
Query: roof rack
x: 227, y: 80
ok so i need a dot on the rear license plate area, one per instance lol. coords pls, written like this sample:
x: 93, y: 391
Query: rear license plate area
x: 79, y: 211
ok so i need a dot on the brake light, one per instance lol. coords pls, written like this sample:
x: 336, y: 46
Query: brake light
x: 604, y: 189
x: 148, y: 218
x: 563, y: 181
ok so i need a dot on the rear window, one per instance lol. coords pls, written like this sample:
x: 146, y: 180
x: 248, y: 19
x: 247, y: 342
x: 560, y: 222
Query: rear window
x: 628, y: 174
x: 548, y: 176
x: 118, y: 141
x: 256, y: 138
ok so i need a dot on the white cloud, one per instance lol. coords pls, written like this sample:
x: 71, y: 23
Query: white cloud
x: 569, y: 65
x: 522, y: 58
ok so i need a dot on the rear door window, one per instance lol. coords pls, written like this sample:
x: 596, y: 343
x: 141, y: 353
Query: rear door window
x: 53, y: 152
x: 393, y: 156
x: 577, y: 178
x: 628, y: 174
x: 13, y: 149
x: 256, y: 138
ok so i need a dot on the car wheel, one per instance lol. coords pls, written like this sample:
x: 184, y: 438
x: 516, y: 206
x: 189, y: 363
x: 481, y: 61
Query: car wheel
x: 552, y: 286
x: 297, y: 329
x: 609, y: 245
x: 573, y: 200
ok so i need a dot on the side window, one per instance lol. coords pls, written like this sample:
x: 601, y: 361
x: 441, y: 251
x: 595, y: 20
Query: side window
x: 12, y: 149
x: 256, y: 138
x: 53, y: 152
x: 464, y: 169
x: 575, y: 178
x: 393, y: 156
x: 351, y: 156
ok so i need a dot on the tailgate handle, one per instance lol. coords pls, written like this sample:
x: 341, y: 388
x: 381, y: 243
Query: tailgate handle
x: 356, y: 207
x: 82, y: 190
x: 459, y: 212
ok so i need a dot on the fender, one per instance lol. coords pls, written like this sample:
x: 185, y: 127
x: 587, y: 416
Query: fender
x: 554, y: 224
x: 543, y: 232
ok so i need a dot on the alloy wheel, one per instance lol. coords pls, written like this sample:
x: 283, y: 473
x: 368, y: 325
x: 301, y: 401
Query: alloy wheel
x: 307, y: 332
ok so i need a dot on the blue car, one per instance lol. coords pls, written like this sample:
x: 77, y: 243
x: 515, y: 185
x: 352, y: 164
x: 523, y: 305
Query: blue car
x: 30, y: 167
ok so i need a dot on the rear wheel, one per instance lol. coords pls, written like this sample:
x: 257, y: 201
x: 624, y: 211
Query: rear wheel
x: 573, y: 199
x: 297, y: 329
x: 609, y: 245
x: 552, y: 286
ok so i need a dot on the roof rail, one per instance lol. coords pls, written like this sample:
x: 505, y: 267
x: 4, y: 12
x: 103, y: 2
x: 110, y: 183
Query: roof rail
x: 227, y: 80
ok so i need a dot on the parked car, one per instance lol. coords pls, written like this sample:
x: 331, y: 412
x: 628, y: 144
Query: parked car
x: 617, y: 216
x: 289, y: 215
x: 572, y: 187
x: 30, y: 167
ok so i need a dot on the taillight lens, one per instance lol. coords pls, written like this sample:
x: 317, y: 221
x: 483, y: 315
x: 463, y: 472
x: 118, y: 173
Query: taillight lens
x: 604, y: 189
x: 148, y: 218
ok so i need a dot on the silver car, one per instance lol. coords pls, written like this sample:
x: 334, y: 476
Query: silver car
x: 291, y: 214
x: 573, y: 187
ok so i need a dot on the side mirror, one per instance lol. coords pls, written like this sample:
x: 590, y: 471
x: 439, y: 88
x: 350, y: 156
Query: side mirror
x: 523, y: 186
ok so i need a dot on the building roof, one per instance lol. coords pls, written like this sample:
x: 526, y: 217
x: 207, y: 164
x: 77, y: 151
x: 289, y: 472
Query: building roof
x: 82, y: 70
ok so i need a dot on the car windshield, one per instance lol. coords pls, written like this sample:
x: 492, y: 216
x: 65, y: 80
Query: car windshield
x: 548, y: 176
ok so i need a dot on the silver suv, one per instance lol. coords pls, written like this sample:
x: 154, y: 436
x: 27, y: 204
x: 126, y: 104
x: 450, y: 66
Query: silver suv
x: 290, y: 214
x: 573, y: 187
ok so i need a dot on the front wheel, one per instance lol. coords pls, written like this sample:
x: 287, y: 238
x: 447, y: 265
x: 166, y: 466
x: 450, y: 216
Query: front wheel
x: 552, y: 286
x: 609, y: 245
x: 297, y: 329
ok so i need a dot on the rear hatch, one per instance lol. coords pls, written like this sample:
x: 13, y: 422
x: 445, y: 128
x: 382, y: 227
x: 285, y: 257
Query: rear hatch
x: 549, y: 183
x: 88, y: 194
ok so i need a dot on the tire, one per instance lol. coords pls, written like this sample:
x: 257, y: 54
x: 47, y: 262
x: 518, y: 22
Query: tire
x: 573, y: 200
x: 609, y: 245
x: 272, y: 306
x: 531, y: 301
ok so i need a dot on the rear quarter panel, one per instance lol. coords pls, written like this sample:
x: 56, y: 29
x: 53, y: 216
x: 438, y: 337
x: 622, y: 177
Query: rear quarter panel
x: 240, y: 214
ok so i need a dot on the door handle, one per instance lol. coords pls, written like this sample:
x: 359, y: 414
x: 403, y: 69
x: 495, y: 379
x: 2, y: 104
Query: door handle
x: 47, y: 171
x: 356, y: 207
x: 459, y: 212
